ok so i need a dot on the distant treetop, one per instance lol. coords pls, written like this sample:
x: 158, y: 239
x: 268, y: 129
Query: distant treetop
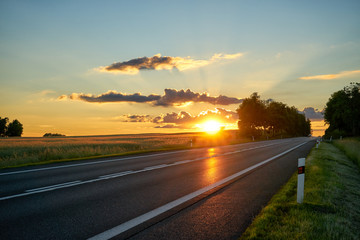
x: 53, y: 135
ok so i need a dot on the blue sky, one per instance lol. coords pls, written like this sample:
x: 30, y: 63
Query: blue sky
x: 55, y: 48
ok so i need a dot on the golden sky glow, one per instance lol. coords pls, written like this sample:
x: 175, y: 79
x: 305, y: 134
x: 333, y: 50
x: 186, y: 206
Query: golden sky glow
x: 161, y: 78
x: 211, y: 126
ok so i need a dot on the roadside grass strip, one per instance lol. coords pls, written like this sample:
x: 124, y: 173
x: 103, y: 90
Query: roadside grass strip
x: 351, y: 146
x: 331, y: 207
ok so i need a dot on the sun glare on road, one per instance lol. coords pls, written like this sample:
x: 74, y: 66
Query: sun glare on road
x: 211, y: 127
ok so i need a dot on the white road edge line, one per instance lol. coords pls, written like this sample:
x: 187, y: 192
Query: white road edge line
x: 111, y: 160
x: 156, y: 212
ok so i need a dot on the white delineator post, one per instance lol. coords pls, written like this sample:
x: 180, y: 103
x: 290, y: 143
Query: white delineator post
x: 301, y: 180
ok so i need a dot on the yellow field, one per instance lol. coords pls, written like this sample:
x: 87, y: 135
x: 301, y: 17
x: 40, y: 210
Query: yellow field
x: 29, y: 151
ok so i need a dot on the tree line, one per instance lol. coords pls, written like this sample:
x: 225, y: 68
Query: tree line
x: 342, y: 112
x: 10, y: 129
x: 270, y: 118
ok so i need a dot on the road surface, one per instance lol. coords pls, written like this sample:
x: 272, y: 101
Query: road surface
x: 207, y: 193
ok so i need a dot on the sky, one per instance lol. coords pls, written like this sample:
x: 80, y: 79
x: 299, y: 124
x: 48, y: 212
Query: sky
x: 119, y: 67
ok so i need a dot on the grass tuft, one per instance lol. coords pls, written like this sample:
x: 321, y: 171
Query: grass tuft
x: 331, y: 208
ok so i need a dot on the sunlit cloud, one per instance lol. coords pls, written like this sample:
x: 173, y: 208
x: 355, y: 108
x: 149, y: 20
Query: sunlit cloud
x: 171, y: 97
x: 332, y: 76
x: 135, y: 118
x: 158, y: 62
x: 313, y: 114
x: 167, y: 126
x: 185, y: 120
x: 62, y: 97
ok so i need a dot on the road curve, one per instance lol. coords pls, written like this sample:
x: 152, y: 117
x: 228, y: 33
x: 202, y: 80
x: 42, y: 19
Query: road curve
x: 207, y: 193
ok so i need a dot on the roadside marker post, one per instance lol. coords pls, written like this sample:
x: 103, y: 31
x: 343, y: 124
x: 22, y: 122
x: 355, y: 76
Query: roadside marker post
x: 301, y: 180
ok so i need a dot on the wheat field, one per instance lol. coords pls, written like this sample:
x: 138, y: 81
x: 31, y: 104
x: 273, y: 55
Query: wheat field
x: 31, y: 151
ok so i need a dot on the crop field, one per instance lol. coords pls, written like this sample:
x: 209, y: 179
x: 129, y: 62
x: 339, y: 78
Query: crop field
x: 32, y: 151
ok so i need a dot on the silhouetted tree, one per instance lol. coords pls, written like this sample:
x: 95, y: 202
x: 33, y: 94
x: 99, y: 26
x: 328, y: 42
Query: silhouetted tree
x: 342, y: 111
x: 258, y: 117
x: 3, y: 126
x: 14, y: 129
x: 252, y: 116
x: 276, y: 114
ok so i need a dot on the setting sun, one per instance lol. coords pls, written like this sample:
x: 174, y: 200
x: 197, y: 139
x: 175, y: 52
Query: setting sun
x: 211, y: 126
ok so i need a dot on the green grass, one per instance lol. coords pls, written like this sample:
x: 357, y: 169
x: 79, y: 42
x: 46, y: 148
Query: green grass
x: 331, y: 208
x: 351, y: 147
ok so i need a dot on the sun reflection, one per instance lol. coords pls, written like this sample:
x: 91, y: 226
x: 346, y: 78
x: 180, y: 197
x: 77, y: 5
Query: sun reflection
x: 211, y: 172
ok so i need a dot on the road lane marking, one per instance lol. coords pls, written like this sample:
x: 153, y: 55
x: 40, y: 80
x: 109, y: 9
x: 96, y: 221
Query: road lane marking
x: 52, y: 186
x: 120, y: 174
x: 118, y: 159
x: 40, y: 190
x: 156, y: 167
x: 156, y: 212
x: 89, y: 163
x: 116, y: 174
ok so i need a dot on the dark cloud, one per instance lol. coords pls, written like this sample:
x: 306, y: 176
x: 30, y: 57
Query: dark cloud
x: 157, y: 62
x: 113, y: 96
x: 144, y: 63
x: 172, y: 97
x: 175, y: 97
x: 313, y: 114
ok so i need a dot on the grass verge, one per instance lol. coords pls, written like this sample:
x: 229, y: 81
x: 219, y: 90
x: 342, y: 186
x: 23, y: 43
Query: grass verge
x: 331, y: 208
x: 351, y: 147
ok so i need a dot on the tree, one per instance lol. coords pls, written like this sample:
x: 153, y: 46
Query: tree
x: 276, y: 112
x: 14, y: 129
x: 257, y: 117
x: 342, y: 111
x: 3, y: 126
x: 252, y: 114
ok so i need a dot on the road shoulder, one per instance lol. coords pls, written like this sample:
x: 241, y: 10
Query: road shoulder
x: 331, y: 207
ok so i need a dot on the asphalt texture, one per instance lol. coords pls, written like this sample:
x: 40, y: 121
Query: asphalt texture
x: 79, y: 200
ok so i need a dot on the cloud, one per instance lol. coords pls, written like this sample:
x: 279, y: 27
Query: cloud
x: 158, y: 62
x: 136, y: 118
x: 332, y: 76
x: 313, y: 114
x: 112, y: 96
x: 175, y: 97
x: 171, y: 97
x: 62, y: 97
x: 167, y: 126
x: 184, y: 119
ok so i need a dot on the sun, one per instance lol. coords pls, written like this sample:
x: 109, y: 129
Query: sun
x: 211, y: 126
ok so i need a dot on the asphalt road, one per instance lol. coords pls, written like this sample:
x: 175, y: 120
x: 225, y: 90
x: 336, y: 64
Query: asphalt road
x: 207, y: 193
